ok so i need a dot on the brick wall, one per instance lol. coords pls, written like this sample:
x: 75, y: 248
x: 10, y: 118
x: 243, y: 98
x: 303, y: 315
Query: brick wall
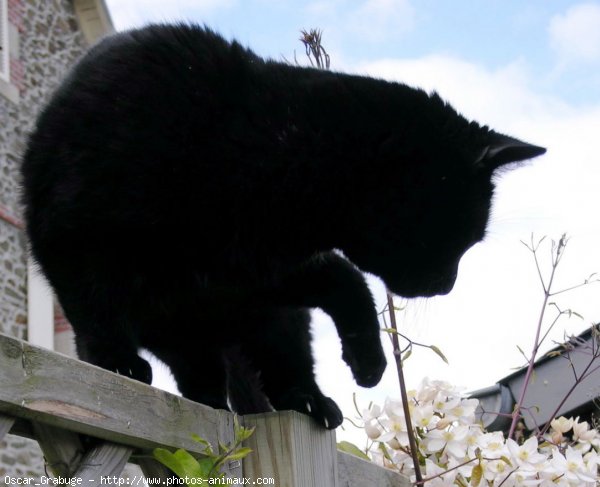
x: 15, y: 13
x: 49, y: 42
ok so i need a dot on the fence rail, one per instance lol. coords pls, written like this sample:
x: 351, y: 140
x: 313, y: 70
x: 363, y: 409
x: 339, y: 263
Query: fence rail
x: 62, y: 402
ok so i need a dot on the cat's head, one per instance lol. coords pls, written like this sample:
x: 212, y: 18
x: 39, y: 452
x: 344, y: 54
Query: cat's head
x: 429, y: 204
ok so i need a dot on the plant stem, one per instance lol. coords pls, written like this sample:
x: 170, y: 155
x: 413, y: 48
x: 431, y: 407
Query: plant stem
x: 397, y: 355
x: 536, y: 344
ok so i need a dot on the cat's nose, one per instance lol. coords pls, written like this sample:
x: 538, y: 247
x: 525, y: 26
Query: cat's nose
x: 442, y: 283
x: 446, y: 283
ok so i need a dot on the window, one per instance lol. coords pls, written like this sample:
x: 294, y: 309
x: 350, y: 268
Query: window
x: 4, y: 62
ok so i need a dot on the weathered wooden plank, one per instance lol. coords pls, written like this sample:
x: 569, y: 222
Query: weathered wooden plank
x: 6, y: 424
x: 356, y: 472
x: 65, y: 456
x: 60, y: 391
x: 291, y: 448
x: 62, y: 449
x: 104, y: 460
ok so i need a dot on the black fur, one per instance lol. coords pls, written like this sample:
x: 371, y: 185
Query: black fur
x: 185, y: 196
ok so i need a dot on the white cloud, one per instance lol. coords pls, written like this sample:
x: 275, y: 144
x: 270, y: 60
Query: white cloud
x: 575, y: 35
x: 377, y: 20
x: 371, y: 21
x: 500, y: 97
x: 132, y: 13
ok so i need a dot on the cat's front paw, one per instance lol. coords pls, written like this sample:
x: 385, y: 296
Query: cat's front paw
x: 321, y: 408
x: 365, y: 357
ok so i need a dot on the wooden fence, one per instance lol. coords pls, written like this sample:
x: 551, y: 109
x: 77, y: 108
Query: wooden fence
x: 62, y: 402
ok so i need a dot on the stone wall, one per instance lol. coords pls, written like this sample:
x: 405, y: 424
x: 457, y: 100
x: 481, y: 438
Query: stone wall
x: 44, y: 41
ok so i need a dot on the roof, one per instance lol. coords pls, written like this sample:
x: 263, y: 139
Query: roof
x: 94, y: 19
x: 551, y: 391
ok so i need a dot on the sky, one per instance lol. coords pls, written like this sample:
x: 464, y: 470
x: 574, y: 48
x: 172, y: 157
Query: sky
x: 529, y: 69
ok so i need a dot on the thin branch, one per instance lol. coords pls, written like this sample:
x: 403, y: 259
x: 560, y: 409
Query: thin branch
x: 560, y: 313
x: 411, y: 435
x: 557, y: 250
x: 576, y: 286
x: 567, y: 395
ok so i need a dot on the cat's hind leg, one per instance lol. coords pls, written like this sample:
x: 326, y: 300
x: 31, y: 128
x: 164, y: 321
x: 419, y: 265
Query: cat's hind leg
x: 199, y: 372
x: 98, y: 308
x: 280, y: 350
x: 104, y: 338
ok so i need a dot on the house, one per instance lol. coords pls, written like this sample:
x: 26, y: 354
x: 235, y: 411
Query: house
x: 39, y: 41
x: 549, y: 392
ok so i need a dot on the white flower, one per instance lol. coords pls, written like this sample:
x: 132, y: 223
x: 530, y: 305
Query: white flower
x: 454, y: 441
x: 403, y: 462
x: 493, y: 445
x: 496, y: 470
x: 465, y: 411
x: 562, y: 424
x: 431, y: 388
x: 442, y: 403
x: 473, y: 435
x: 395, y: 427
x: 373, y: 412
x: 592, y: 461
x: 423, y: 416
x: 393, y: 408
x: 372, y: 430
x: 571, y: 466
x: 444, y: 479
x: 581, y: 432
x: 525, y: 455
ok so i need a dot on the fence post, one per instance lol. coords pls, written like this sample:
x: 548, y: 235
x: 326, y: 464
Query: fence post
x: 292, y: 449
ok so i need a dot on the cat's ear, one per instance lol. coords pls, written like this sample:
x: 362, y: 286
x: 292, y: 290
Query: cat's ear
x: 502, y: 149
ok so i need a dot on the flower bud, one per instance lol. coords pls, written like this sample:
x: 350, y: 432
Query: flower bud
x: 372, y: 431
x: 394, y: 444
x: 562, y: 424
x: 557, y: 437
x: 443, y: 423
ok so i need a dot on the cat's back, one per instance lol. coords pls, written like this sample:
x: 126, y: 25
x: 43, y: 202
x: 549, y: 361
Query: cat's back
x: 118, y: 139
x: 143, y: 80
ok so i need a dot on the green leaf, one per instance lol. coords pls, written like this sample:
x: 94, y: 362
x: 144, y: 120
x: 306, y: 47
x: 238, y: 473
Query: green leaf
x: 207, y: 446
x: 476, y: 475
x: 244, y: 433
x: 438, y: 352
x: 385, y: 452
x: 406, y: 355
x: 506, y: 460
x: 390, y: 330
x: 193, y: 467
x: 183, y: 464
x: 222, y: 448
x: 352, y: 449
x: 206, y: 466
x: 168, y: 460
x: 239, y: 453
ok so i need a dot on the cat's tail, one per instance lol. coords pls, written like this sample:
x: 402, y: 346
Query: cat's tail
x: 244, y: 388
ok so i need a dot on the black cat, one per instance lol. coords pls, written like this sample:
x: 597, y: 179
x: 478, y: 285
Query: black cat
x: 186, y: 196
